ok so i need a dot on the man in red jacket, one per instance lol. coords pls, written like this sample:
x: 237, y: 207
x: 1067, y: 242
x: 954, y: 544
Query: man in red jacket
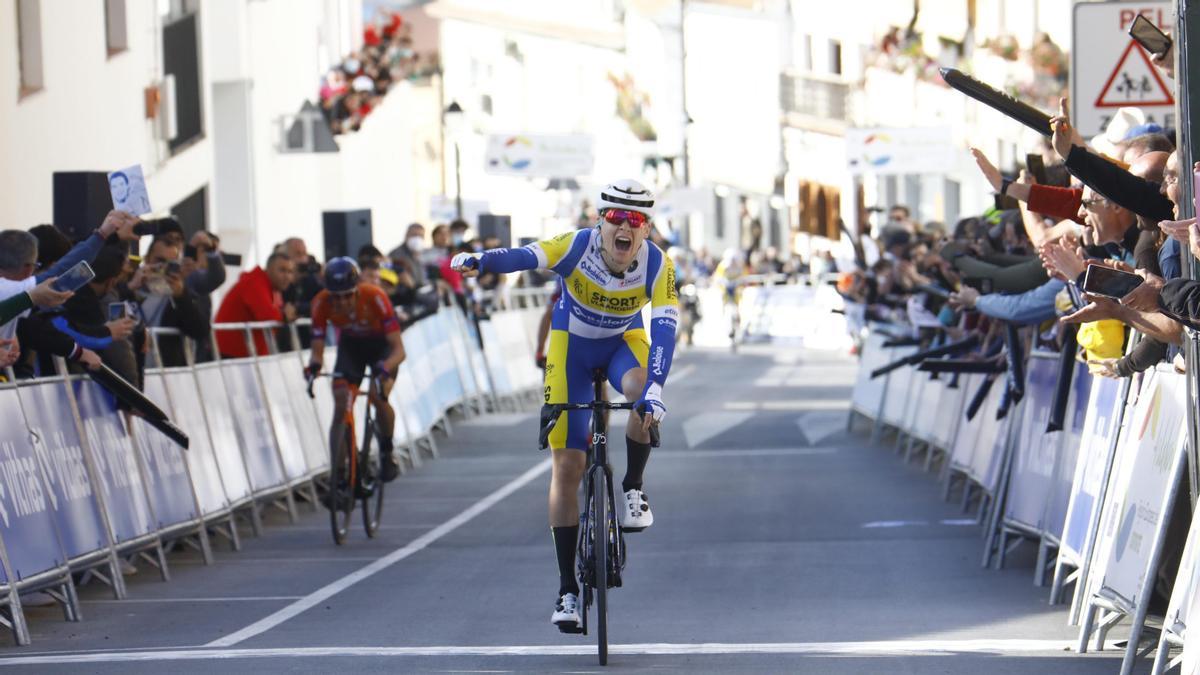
x: 257, y: 296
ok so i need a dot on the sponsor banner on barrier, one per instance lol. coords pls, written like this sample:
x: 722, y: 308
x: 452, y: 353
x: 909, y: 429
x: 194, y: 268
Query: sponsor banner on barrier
x: 928, y: 400
x: 1068, y: 453
x: 202, y: 462
x: 166, y: 478
x: 223, y: 430
x: 899, y: 386
x: 253, y: 424
x: 287, y: 427
x: 949, y: 413
x: 312, y: 432
x: 868, y: 393
x: 966, y: 436
x: 112, y: 450
x: 462, y: 360
x: 1095, y: 442
x: 991, y: 441
x: 26, y: 514
x: 64, y: 468
x: 1184, y: 594
x: 1033, y: 459
x: 494, y: 357
x: 1152, y: 444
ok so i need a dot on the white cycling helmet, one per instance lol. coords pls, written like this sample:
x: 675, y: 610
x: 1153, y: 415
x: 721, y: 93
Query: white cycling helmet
x: 626, y: 194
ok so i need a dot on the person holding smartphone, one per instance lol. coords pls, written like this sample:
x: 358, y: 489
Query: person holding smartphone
x: 166, y: 302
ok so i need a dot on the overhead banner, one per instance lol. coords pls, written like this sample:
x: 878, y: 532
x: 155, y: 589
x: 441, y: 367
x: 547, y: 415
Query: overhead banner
x: 886, y: 151
x: 1109, y: 70
x: 540, y: 155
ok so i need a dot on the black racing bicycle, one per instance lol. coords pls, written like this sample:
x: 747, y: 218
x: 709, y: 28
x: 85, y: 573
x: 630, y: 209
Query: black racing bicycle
x: 355, y: 471
x: 600, y: 556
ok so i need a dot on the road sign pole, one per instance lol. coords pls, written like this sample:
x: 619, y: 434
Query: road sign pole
x: 1187, y: 62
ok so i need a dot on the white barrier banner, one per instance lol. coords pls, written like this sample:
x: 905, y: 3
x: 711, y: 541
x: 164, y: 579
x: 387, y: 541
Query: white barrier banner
x: 1068, y: 453
x: 966, y: 437
x: 201, y: 459
x: 1152, y: 444
x: 868, y: 393
x: 221, y: 427
x: 1099, y: 427
x: 1183, y: 595
x: 1034, y: 451
x: 993, y: 437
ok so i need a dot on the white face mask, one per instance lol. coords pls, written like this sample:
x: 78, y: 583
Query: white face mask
x: 416, y: 244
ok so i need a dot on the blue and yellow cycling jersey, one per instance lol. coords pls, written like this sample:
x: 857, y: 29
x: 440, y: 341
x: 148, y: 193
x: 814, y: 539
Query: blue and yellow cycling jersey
x: 596, y: 303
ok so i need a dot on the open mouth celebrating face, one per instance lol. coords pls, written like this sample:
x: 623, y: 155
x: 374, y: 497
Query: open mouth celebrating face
x: 623, y: 243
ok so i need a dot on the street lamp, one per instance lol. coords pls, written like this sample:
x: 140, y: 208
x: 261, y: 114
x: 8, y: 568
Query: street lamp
x: 454, y: 118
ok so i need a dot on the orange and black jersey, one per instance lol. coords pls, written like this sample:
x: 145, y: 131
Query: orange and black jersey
x: 371, y: 315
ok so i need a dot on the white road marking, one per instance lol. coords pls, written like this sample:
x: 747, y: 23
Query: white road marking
x: 883, y: 524
x: 888, y: 524
x: 874, y: 648
x: 264, y: 598
x: 841, y: 404
x: 497, y: 420
x: 751, y: 452
x: 682, y: 374
x: 817, y: 426
x: 328, y: 591
x: 700, y: 428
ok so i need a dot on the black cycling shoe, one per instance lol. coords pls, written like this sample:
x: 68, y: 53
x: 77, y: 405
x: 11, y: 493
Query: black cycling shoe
x: 391, y: 467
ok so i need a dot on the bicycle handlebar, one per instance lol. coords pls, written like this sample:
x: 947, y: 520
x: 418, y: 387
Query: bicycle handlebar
x: 550, y: 413
x: 312, y: 379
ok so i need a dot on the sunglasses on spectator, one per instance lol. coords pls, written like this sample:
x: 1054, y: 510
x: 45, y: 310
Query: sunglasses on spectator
x: 1094, y: 203
x: 635, y: 219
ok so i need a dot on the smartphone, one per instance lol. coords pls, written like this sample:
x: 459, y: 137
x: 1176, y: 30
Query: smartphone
x: 1149, y: 36
x: 173, y: 267
x: 1004, y: 202
x: 190, y: 251
x: 117, y: 310
x: 232, y: 259
x: 146, y: 228
x: 1110, y: 283
x: 74, y: 278
x: 1036, y: 167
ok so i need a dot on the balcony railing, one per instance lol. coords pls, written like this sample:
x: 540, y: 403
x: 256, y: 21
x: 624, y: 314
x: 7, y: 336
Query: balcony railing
x: 814, y: 96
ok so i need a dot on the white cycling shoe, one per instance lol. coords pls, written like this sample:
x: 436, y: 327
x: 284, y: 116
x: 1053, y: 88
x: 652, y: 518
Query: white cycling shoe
x: 636, y: 515
x: 566, y: 614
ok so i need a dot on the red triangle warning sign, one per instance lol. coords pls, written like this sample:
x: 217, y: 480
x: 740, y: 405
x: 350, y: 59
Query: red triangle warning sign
x: 1134, y: 82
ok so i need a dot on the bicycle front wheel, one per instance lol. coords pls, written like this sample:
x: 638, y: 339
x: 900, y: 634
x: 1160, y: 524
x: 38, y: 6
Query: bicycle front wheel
x: 341, y: 490
x: 370, y: 466
x: 600, y: 536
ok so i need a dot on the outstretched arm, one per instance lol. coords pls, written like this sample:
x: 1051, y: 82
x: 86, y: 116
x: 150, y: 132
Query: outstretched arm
x: 664, y: 316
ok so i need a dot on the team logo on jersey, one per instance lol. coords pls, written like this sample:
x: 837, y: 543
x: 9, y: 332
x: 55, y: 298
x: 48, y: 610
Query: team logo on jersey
x: 613, y: 302
x: 593, y: 272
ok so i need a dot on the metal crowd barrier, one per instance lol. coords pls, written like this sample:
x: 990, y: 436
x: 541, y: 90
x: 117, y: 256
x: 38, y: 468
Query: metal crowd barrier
x: 85, y: 487
x: 1095, y: 496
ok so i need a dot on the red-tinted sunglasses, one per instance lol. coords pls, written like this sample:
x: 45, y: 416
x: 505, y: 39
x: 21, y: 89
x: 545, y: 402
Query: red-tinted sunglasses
x: 635, y: 219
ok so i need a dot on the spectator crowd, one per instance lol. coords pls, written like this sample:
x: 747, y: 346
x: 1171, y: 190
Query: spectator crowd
x: 354, y: 87
x: 1112, y: 201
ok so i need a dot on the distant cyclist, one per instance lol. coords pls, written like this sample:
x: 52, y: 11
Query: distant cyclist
x: 607, y: 274
x: 368, y: 335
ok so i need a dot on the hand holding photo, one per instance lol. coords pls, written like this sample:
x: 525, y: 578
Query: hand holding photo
x: 128, y: 189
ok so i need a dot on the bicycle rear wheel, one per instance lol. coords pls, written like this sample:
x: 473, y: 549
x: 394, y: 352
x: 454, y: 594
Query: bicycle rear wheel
x: 370, y: 467
x: 600, y: 535
x: 341, y: 492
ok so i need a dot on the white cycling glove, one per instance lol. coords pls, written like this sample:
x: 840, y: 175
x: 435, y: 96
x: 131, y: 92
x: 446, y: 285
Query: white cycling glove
x: 464, y: 261
x: 652, y: 401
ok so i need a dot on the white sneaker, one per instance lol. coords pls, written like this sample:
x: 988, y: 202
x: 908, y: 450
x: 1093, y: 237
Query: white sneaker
x: 636, y: 515
x: 566, y: 614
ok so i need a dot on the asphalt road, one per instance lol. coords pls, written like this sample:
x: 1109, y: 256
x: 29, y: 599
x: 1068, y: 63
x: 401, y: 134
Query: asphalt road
x: 769, y: 554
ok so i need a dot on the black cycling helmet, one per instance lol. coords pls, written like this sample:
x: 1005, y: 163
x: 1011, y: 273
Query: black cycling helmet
x: 341, y: 275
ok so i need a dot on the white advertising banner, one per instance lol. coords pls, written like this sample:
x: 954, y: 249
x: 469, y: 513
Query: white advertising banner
x: 1109, y: 70
x: 1099, y: 427
x: 1152, y: 444
x: 540, y: 155
x: 896, y: 151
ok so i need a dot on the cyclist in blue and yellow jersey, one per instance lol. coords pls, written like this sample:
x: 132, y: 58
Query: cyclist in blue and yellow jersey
x: 607, y: 274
